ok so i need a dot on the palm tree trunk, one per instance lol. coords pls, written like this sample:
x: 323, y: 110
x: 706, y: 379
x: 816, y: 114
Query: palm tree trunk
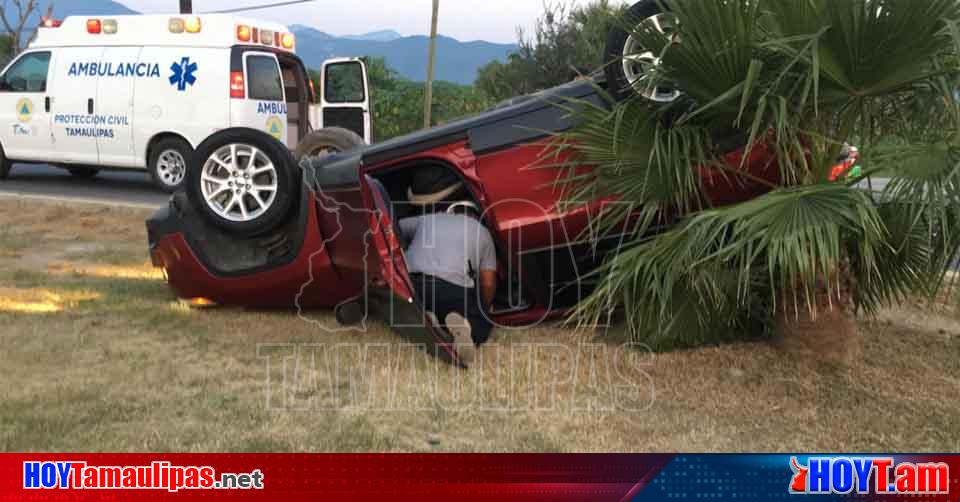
x: 828, y: 333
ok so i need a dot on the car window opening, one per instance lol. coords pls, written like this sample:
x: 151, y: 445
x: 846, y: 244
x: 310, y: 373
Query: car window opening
x: 510, y: 297
x: 297, y: 95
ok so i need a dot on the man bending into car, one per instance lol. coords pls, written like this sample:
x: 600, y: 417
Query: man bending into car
x: 451, y: 258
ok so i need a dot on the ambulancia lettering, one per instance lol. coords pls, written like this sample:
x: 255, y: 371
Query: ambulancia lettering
x: 142, y: 70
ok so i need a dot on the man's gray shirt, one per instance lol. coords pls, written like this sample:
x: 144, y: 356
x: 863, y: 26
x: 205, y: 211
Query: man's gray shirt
x: 452, y: 247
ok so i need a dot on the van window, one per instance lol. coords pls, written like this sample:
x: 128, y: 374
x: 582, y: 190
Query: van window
x: 263, y: 77
x: 344, y: 83
x: 28, y: 74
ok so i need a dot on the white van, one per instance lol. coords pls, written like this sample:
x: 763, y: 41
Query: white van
x: 141, y: 92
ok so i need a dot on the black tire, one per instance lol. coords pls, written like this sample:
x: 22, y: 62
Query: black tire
x: 617, y: 82
x: 326, y: 141
x: 164, y: 164
x: 5, y: 165
x: 83, y: 172
x: 285, y: 175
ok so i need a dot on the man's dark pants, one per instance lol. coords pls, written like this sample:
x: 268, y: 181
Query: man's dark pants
x: 442, y: 298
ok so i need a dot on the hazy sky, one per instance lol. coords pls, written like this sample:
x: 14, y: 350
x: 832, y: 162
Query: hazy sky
x: 493, y: 20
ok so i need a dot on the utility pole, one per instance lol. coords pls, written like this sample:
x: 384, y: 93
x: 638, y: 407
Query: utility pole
x: 186, y: 6
x: 428, y: 99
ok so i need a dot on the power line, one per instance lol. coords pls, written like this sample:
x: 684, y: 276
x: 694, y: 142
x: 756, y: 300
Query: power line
x: 259, y: 7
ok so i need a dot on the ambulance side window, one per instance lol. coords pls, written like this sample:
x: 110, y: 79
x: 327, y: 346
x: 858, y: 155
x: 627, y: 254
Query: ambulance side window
x: 263, y: 77
x: 28, y: 74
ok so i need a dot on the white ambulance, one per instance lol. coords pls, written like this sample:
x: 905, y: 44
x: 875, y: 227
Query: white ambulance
x: 141, y: 92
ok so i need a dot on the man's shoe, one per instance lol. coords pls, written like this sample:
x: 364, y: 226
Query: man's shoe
x: 460, y: 328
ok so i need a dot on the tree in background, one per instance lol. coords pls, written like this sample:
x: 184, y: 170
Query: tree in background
x: 15, y: 23
x: 566, y: 42
x: 6, y: 49
x: 398, y: 102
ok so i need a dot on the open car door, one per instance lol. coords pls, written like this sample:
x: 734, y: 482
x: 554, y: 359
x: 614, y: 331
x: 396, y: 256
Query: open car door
x: 390, y: 291
x: 344, y: 99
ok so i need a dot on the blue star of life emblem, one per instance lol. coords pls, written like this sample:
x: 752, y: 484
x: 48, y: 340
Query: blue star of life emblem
x: 183, y: 74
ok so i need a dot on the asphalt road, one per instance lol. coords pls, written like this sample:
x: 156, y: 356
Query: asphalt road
x: 122, y: 188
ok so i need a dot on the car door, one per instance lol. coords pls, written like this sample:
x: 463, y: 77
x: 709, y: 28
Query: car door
x: 345, y: 98
x: 114, y: 109
x: 75, y: 127
x: 24, y: 118
x: 263, y: 104
x: 390, y: 293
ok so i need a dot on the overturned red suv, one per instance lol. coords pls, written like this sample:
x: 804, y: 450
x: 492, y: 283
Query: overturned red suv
x: 258, y: 229
x: 332, y: 242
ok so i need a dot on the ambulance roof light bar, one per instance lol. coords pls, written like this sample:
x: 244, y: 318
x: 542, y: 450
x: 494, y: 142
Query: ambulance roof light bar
x: 190, y: 24
x: 94, y: 26
x: 279, y: 39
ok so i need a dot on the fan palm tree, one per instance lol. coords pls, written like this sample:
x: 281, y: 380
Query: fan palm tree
x: 800, y: 77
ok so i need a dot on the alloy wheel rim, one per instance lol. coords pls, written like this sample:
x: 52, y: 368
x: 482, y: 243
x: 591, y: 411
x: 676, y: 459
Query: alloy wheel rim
x: 638, y: 62
x: 239, y: 182
x: 171, y: 167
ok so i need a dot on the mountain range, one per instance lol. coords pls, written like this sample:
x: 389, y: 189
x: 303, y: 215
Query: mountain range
x: 373, y: 36
x: 456, y: 61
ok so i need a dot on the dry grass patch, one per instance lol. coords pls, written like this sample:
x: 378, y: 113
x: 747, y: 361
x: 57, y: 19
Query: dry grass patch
x: 98, y: 355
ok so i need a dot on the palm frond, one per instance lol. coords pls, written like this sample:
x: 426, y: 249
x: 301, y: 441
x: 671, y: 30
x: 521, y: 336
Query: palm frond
x: 714, y: 54
x: 792, y: 238
x: 921, y: 208
x: 650, y: 167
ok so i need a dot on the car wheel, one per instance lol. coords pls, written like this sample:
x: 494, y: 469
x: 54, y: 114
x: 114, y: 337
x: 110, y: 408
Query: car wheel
x: 243, y: 181
x: 327, y: 141
x: 5, y: 165
x: 168, y: 164
x: 83, y: 172
x: 628, y: 62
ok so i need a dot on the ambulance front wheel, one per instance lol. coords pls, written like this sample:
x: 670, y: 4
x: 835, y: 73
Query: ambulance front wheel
x: 168, y: 163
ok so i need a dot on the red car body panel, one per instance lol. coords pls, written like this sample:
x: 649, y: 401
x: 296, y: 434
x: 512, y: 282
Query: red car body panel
x: 306, y: 281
